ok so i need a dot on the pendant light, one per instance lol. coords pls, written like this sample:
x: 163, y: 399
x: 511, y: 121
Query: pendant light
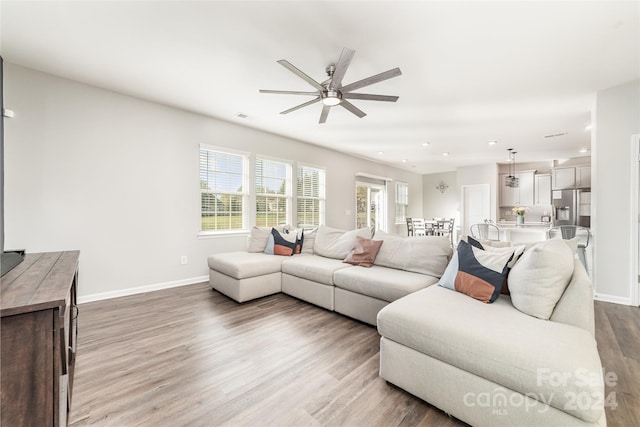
x: 511, y: 180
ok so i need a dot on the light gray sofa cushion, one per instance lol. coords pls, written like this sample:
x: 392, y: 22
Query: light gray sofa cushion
x: 313, y: 267
x: 501, y: 344
x: 336, y: 244
x: 384, y: 283
x: 425, y: 254
x: 241, y: 265
x: 576, y: 304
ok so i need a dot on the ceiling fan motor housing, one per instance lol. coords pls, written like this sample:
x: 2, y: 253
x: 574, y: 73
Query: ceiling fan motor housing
x: 331, y: 97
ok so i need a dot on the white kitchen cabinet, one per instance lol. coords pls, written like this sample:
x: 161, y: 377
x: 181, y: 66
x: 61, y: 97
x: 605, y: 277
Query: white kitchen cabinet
x: 571, y: 177
x: 520, y: 195
x: 563, y: 178
x: 542, y: 189
x: 583, y: 177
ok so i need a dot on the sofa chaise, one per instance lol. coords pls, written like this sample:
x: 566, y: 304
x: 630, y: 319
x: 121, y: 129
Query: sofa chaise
x: 507, y: 363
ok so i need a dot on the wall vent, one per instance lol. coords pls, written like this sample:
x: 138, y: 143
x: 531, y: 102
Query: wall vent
x: 554, y: 135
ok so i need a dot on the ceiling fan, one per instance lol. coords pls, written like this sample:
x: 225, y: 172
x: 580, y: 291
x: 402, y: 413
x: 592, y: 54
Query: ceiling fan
x: 331, y: 92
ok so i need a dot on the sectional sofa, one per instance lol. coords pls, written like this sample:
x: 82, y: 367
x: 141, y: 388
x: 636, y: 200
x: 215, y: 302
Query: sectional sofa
x: 318, y: 274
x: 528, y: 358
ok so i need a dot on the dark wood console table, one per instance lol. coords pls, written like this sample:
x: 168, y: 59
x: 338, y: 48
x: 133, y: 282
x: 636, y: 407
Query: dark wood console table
x: 38, y: 339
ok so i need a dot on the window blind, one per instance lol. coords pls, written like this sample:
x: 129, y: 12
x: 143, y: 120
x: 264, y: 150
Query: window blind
x: 402, y: 202
x: 222, y: 190
x: 273, y: 193
x: 310, y: 196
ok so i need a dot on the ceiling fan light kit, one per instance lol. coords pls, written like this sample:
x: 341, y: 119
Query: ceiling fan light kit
x: 331, y: 98
x: 331, y: 93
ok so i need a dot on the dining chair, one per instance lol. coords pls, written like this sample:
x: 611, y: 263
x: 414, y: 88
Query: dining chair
x: 444, y: 227
x: 429, y: 228
x: 485, y: 231
x: 568, y: 232
x: 409, y: 227
x: 418, y: 227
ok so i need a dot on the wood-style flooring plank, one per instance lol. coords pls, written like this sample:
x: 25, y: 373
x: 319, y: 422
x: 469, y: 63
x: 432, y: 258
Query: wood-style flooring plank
x: 189, y: 356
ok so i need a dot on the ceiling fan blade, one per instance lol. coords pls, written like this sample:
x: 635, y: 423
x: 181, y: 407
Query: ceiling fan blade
x: 355, y: 110
x: 324, y: 114
x: 297, y: 107
x: 371, y: 80
x: 343, y: 63
x: 289, y: 92
x: 370, y: 97
x: 286, y: 64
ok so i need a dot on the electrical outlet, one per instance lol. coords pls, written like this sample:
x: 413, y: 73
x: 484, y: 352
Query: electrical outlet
x: 183, y: 259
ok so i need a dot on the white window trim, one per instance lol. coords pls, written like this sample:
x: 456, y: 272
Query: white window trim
x: 322, y: 198
x: 400, y: 202
x: 245, y: 193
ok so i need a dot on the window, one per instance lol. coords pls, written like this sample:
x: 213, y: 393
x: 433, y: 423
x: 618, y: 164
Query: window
x: 310, y: 196
x: 222, y: 190
x: 273, y: 193
x: 402, y: 202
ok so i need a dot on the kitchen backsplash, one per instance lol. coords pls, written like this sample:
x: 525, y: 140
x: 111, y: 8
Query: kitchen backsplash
x: 533, y: 214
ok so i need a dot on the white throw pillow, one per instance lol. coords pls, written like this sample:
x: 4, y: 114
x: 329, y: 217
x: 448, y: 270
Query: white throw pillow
x: 309, y: 241
x: 259, y: 236
x: 539, y: 278
x: 334, y: 243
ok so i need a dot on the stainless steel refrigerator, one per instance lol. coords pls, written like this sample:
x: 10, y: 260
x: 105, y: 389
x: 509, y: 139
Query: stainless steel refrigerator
x: 572, y: 207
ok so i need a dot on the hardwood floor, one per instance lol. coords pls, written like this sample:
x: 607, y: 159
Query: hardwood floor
x: 189, y: 356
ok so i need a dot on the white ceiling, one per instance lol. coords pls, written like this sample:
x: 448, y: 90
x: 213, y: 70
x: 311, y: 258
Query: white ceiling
x: 472, y: 71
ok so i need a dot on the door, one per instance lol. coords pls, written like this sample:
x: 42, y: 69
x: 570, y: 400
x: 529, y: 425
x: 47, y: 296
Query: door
x: 475, y: 206
x: 370, y: 206
x: 635, y: 220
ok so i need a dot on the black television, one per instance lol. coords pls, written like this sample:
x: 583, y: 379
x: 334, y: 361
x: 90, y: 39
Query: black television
x: 9, y: 259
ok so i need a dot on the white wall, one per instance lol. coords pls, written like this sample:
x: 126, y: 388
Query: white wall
x: 117, y: 178
x: 482, y: 174
x: 437, y: 204
x: 617, y: 117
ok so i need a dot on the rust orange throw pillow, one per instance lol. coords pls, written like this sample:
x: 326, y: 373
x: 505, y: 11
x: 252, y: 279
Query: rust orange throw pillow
x: 364, y: 252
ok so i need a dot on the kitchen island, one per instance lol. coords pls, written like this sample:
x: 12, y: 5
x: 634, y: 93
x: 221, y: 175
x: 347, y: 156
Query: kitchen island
x: 527, y: 232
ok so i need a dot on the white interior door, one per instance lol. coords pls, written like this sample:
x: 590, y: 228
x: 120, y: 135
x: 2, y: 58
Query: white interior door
x: 635, y: 220
x: 476, y: 206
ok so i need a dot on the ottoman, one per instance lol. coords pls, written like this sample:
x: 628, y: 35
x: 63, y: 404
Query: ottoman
x: 244, y: 276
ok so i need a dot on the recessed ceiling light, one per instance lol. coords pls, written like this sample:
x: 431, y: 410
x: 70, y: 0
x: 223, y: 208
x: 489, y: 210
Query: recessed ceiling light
x: 426, y: 144
x: 492, y: 142
x: 404, y: 160
x: 446, y: 153
x: 380, y: 153
x: 584, y: 150
x: 588, y: 127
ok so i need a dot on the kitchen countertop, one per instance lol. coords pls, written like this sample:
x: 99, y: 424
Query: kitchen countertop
x: 527, y: 224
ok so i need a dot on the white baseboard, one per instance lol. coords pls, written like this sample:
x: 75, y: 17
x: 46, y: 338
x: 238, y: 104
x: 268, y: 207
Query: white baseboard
x: 141, y: 289
x: 612, y: 298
